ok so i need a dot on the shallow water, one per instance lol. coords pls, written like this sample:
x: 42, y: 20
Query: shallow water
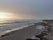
x: 5, y: 28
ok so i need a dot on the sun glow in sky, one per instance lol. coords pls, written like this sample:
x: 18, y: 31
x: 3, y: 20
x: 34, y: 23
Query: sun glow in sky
x: 6, y: 16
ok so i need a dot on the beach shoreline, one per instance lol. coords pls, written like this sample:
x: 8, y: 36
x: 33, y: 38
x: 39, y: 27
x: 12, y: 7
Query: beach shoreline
x: 21, y: 34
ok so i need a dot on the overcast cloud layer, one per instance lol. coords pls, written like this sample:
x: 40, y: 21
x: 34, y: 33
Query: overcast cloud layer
x: 27, y: 9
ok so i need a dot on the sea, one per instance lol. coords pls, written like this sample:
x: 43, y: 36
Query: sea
x: 9, y: 27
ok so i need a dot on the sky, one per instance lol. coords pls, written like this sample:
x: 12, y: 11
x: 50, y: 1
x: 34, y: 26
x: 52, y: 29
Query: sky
x: 28, y: 9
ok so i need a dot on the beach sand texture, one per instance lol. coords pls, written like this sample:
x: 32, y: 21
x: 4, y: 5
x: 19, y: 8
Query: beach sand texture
x: 21, y: 34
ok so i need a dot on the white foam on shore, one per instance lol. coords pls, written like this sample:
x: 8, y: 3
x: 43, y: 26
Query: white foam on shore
x: 7, y: 31
x: 17, y: 26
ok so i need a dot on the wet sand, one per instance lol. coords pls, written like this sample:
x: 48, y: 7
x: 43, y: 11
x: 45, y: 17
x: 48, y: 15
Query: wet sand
x: 24, y: 33
x: 21, y: 34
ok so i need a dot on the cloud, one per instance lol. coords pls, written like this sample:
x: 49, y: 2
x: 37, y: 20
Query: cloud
x: 28, y: 8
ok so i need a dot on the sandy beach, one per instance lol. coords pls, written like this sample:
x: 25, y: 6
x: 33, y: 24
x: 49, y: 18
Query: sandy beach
x: 25, y: 33
x: 21, y: 34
